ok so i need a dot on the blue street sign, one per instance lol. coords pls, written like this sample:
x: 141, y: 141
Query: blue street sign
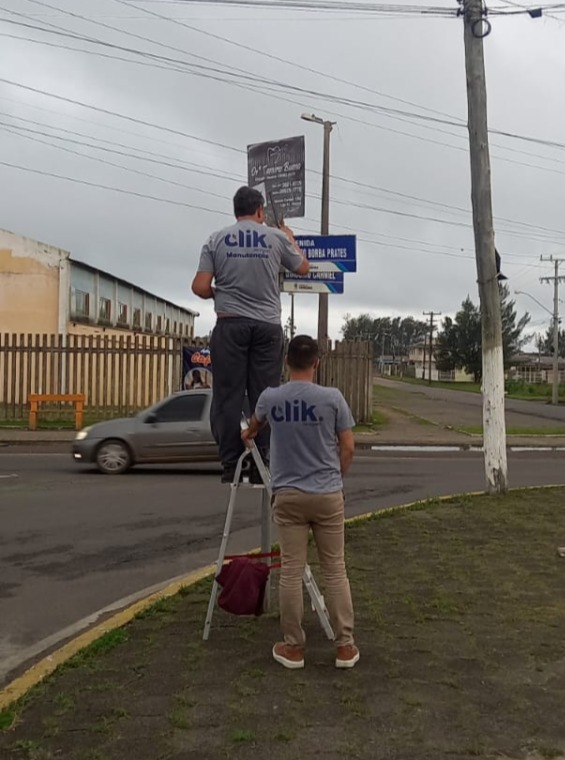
x: 329, y: 253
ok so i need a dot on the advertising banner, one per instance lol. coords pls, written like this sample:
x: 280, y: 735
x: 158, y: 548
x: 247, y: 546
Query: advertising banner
x: 196, y: 368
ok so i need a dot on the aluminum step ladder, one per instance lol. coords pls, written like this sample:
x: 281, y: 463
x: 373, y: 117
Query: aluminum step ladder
x: 316, y: 598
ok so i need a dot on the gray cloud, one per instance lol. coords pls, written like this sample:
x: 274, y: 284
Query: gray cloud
x: 406, y: 265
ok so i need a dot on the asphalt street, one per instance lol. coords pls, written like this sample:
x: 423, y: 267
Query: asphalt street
x: 74, y: 541
x: 447, y: 407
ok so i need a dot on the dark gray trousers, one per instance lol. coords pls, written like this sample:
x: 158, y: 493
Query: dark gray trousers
x: 247, y: 357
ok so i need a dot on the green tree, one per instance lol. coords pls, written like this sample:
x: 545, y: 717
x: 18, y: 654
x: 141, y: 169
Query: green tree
x: 391, y: 335
x: 459, y: 344
x: 546, y: 343
x: 513, y: 338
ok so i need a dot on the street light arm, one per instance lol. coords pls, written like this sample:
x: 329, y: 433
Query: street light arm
x: 539, y: 303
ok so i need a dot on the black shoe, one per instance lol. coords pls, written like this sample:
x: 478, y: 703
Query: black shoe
x: 228, y: 475
x: 255, y: 476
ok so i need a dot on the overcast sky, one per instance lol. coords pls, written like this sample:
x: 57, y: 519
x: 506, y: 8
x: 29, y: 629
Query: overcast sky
x: 414, y: 253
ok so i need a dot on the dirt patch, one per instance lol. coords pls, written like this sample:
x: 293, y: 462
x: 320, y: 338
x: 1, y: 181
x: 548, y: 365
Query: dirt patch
x: 460, y: 612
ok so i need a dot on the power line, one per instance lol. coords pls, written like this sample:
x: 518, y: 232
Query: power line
x: 132, y: 119
x: 124, y: 191
x: 111, y: 188
x: 128, y: 33
x: 286, y: 61
x: 116, y: 165
x: 263, y: 88
x: 32, y: 135
x: 335, y: 200
x: 199, y: 168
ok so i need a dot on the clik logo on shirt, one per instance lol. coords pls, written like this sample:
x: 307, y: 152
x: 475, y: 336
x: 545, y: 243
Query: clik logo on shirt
x: 246, y: 239
x: 295, y: 411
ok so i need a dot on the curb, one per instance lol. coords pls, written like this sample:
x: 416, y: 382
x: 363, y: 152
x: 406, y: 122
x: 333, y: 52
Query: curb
x: 40, y: 670
x: 36, y: 673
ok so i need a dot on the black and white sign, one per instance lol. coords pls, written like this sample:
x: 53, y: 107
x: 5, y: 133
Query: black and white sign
x: 277, y: 170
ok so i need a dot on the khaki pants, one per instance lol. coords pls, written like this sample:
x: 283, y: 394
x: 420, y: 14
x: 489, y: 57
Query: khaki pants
x: 295, y: 512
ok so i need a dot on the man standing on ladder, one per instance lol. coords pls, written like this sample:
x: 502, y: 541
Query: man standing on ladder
x: 312, y: 449
x: 244, y: 261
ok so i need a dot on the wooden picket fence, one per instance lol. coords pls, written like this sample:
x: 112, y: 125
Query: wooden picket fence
x: 348, y: 365
x: 120, y: 375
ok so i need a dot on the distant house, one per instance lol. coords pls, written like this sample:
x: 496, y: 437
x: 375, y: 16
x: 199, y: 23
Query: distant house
x: 45, y: 290
x: 419, y: 365
x: 534, y: 368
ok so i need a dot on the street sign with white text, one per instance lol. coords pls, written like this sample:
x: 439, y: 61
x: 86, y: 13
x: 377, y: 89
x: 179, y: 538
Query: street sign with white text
x: 329, y: 253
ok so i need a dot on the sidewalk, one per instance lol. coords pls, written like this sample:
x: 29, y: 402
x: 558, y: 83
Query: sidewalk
x: 401, y: 431
x: 459, y: 620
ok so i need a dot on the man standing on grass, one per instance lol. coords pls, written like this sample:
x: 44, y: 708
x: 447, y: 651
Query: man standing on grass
x: 244, y: 262
x: 312, y: 447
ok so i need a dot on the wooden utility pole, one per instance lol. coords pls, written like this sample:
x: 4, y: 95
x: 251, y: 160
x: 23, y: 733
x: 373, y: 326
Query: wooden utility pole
x: 431, y: 315
x: 556, y: 279
x: 494, y: 425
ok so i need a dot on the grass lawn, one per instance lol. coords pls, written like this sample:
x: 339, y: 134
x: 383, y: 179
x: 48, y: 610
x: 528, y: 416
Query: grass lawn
x: 527, y: 431
x: 521, y: 391
x: 56, y: 421
x: 378, y: 422
x: 460, y: 614
x: 472, y: 387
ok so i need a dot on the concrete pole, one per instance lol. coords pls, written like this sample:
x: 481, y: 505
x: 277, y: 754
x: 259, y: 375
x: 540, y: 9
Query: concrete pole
x: 323, y: 298
x: 555, y: 388
x: 494, y: 424
x: 556, y: 279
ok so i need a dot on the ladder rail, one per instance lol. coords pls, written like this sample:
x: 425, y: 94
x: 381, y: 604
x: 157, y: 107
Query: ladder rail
x: 316, y: 598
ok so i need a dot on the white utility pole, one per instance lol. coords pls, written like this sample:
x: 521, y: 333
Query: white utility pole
x: 494, y: 425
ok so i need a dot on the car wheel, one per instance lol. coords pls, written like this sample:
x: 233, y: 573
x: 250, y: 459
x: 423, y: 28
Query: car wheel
x: 113, y: 457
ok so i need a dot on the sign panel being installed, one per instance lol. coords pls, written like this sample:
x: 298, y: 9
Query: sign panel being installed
x: 277, y: 169
x: 329, y: 253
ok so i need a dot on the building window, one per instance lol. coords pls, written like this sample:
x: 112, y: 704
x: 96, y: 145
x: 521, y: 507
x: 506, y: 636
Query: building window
x: 105, y: 312
x: 137, y: 318
x: 159, y: 324
x: 82, y: 303
x: 174, y: 328
x: 122, y: 313
x: 168, y: 326
x: 148, y: 320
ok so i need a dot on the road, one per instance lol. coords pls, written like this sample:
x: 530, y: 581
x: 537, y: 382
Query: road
x: 74, y: 542
x: 463, y: 408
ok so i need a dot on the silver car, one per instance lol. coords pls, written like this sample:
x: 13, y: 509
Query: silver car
x: 176, y: 429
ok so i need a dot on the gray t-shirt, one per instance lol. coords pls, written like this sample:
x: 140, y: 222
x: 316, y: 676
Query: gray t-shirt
x: 245, y: 260
x: 305, y: 419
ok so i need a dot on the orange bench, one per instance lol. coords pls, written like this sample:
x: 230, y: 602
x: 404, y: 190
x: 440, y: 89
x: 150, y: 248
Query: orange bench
x: 35, y: 399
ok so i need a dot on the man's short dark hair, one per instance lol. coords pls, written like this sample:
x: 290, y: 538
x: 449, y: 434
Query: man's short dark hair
x: 247, y: 202
x: 302, y: 352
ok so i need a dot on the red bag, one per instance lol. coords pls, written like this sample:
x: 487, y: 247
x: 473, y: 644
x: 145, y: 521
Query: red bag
x: 243, y: 584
